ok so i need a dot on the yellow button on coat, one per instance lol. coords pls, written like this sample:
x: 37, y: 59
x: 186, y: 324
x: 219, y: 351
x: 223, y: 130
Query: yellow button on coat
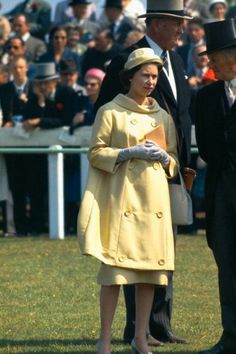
x: 156, y: 166
x: 122, y: 258
x: 159, y: 214
x: 134, y: 121
x: 161, y: 262
x: 154, y: 124
x: 127, y: 213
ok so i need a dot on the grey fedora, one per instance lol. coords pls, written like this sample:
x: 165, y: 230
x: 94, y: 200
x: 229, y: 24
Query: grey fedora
x: 170, y: 8
x: 220, y: 35
x: 45, y: 71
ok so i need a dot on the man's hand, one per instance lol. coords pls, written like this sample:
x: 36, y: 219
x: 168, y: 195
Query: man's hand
x: 30, y: 124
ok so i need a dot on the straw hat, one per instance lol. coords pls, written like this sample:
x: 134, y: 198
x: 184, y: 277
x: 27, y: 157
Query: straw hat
x: 142, y: 56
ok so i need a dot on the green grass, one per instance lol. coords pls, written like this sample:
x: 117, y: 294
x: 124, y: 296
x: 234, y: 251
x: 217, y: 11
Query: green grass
x: 49, y: 298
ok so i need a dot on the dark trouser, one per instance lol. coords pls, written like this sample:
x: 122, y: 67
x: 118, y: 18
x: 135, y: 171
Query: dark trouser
x: 224, y: 250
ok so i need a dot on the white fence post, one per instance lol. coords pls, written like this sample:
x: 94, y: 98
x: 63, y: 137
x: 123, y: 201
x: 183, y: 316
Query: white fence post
x: 56, y: 194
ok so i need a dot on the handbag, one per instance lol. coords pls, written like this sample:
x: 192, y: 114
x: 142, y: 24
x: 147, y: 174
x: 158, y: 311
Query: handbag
x: 180, y: 203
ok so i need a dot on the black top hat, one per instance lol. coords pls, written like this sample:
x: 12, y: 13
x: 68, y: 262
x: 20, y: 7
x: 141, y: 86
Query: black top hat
x: 170, y: 8
x: 67, y: 67
x: 220, y: 35
x: 82, y: 2
x: 113, y: 3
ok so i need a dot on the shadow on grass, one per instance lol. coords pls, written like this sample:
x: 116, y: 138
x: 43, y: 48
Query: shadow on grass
x: 39, y: 345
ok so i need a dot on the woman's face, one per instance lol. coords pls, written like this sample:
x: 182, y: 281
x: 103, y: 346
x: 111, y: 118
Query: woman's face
x: 218, y: 11
x: 144, y: 81
x: 59, y: 39
x: 92, y: 86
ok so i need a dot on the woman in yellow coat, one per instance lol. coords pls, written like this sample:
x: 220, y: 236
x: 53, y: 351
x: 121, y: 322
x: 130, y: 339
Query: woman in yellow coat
x: 125, y: 218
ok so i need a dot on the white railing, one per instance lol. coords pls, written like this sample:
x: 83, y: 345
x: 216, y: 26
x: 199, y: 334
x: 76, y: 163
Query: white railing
x: 54, y: 143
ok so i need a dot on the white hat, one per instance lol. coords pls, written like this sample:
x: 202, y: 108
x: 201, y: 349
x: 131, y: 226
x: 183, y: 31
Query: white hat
x: 213, y: 2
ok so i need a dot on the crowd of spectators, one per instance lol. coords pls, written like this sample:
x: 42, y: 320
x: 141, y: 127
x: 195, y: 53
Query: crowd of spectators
x: 47, y: 63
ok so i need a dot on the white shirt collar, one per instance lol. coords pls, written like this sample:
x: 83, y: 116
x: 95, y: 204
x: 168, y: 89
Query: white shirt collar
x: 157, y: 50
x: 26, y: 36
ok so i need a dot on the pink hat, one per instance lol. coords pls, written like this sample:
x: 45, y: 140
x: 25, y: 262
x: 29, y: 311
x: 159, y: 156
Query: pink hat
x: 96, y: 73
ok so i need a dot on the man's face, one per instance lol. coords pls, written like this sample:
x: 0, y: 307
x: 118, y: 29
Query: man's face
x: 19, y: 69
x: 169, y: 29
x: 112, y: 13
x: 80, y: 11
x: 47, y: 87
x: 69, y: 79
x: 102, y: 42
x: 16, y: 48
x: 224, y: 65
x: 195, y: 32
x: 20, y: 26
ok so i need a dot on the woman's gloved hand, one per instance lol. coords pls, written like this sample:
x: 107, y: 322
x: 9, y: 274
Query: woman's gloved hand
x: 146, y: 151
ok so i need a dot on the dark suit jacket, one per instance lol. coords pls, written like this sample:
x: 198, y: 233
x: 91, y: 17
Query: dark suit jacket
x: 124, y: 28
x: 66, y: 55
x: 163, y: 94
x: 56, y: 113
x: 10, y: 102
x: 216, y: 139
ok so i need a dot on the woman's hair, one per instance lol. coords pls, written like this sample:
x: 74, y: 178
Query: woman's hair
x: 127, y: 75
x: 54, y: 30
x: 5, y: 27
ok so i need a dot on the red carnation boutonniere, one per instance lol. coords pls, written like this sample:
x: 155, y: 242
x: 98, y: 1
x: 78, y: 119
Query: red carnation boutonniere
x: 59, y: 106
x: 34, y: 6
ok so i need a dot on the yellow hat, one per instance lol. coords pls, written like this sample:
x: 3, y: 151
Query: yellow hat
x: 142, y: 56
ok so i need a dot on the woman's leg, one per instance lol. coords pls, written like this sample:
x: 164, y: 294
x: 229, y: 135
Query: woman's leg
x: 108, y: 301
x: 144, y: 299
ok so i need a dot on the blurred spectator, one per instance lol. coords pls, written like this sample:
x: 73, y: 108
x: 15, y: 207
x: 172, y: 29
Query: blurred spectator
x: 196, y: 36
x: 74, y: 34
x: 50, y: 106
x: 103, y: 52
x: 13, y: 97
x: 202, y: 74
x: 133, y: 8
x: 38, y: 14
x: 231, y: 13
x: 5, y: 27
x: 34, y: 46
x: 4, y: 74
x: 69, y: 77
x: 133, y: 37
x: 58, y: 49
x: 15, y: 47
x: 80, y: 9
x: 93, y: 80
x: 196, y: 8
x: 118, y: 24
x: 63, y: 12
x: 217, y: 9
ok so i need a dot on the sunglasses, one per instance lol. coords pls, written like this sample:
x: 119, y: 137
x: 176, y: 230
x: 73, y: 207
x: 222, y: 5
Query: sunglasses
x: 60, y: 37
x: 13, y: 46
x: 92, y: 84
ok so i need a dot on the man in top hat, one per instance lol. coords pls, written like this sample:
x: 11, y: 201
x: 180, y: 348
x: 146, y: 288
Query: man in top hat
x: 119, y: 24
x: 164, y: 22
x: 216, y: 138
x: 80, y: 17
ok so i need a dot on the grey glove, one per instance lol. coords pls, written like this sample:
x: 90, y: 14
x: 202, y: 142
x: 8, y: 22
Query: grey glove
x: 162, y: 156
x: 146, y: 151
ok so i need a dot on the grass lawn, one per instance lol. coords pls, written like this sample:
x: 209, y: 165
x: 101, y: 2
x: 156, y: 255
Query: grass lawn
x: 49, y: 298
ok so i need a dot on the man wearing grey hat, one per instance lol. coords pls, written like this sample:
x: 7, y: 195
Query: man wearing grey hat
x: 216, y: 138
x: 164, y: 21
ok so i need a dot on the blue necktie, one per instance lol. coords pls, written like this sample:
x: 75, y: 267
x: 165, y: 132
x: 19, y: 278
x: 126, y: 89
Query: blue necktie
x: 165, y: 60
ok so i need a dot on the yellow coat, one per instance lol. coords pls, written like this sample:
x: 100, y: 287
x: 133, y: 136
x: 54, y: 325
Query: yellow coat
x: 125, y: 219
